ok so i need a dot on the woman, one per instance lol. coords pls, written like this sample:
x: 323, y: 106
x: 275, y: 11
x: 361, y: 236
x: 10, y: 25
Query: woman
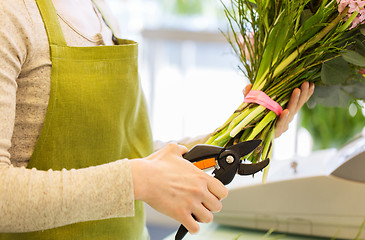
x: 72, y: 113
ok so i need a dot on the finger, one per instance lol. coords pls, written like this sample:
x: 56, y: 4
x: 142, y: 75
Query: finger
x: 176, y: 148
x: 212, y: 203
x: 311, y: 90
x: 203, y: 215
x: 217, y: 188
x: 303, y: 98
x: 282, y: 123
x: 191, y: 224
x: 247, y: 89
x: 293, y: 102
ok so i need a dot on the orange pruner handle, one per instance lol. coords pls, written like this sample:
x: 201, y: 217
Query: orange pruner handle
x: 206, y: 163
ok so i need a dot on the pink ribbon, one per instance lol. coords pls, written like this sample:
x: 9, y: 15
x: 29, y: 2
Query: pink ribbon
x: 259, y: 97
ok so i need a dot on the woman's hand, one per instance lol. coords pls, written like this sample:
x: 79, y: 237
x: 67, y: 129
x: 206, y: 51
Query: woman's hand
x: 175, y: 187
x: 296, y: 102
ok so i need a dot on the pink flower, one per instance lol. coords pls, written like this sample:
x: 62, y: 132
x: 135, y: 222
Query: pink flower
x: 357, y: 6
x: 342, y: 4
x: 362, y: 71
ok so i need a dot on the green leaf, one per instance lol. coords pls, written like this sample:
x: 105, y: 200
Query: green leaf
x: 335, y: 71
x: 356, y: 90
x: 353, y: 58
x: 362, y: 30
x: 309, y: 28
x: 275, y: 44
x: 359, y: 47
x: 306, y: 14
x: 330, y: 96
x: 311, y: 103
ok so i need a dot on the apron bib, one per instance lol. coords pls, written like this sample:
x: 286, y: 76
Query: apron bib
x: 96, y: 114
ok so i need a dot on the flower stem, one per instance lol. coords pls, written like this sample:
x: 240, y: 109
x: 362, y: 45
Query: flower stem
x: 263, y: 123
x: 267, y: 143
x: 239, y: 118
x: 259, y: 109
x: 308, y: 44
x: 222, y: 140
x: 349, y: 21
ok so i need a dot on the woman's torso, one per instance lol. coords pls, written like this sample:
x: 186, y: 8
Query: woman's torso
x: 34, y: 78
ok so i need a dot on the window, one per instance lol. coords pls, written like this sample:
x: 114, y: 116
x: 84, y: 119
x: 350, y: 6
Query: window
x: 189, y: 73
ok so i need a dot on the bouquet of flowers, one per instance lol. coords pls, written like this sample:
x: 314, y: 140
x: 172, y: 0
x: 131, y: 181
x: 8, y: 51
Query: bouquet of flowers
x: 283, y: 43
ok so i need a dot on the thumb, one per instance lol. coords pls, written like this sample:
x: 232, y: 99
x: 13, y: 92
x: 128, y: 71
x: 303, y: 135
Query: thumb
x: 247, y: 89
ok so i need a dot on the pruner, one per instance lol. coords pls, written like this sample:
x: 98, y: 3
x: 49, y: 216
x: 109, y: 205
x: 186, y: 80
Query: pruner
x: 226, y: 161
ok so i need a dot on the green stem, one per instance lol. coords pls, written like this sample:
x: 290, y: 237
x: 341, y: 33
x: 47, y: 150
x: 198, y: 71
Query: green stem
x: 349, y: 21
x: 267, y: 142
x: 212, y: 138
x: 245, y: 134
x: 267, y: 152
x: 260, y: 86
x: 222, y: 140
x: 233, y: 116
x: 265, y: 174
x: 241, y: 107
x: 239, y: 118
x: 263, y: 123
x: 259, y: 109
x: 308, y: 44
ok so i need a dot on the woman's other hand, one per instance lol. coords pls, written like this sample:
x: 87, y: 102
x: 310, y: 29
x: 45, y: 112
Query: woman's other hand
x: 175, y: 187
x: 298, y: 98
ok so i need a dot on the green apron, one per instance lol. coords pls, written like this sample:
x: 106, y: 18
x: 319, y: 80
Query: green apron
x: 96, y: 114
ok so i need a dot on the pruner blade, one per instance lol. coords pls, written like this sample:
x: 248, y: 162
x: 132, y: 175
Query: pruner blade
x: 248, y: 169
x: 243, y: 148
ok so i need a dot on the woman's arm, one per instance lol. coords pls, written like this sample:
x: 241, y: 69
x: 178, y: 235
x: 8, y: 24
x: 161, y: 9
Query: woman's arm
x: 33, y: 200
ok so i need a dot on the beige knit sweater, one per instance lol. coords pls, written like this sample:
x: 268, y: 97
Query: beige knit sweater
x: 32, y: 200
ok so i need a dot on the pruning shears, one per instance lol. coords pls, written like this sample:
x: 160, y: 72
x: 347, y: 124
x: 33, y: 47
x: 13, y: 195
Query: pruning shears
x: 226, y: 161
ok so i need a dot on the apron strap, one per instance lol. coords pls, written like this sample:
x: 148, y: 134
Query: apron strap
x: 51, y: 23
x: 108, y: 16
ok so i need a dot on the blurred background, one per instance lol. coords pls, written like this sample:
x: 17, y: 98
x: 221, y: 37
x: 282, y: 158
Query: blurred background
x: 192, y: 83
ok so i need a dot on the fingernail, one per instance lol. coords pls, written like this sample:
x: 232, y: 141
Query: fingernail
x: 287, y: 114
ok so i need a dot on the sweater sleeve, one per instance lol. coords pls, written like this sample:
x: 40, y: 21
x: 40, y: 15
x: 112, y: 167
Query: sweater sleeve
x: 12, y: 56
x: 32, y: 200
